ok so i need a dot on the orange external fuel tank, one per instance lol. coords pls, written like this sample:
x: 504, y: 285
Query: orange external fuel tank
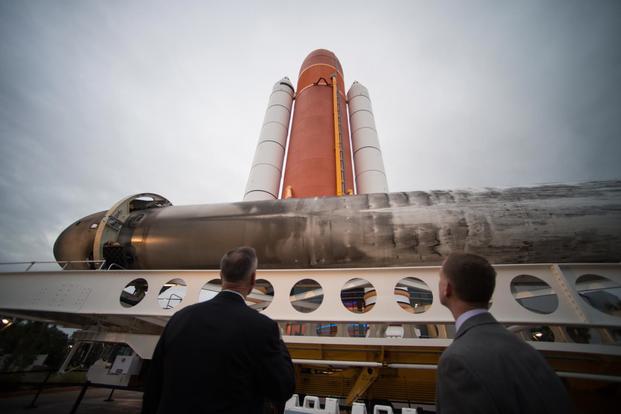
x: 319, y: 156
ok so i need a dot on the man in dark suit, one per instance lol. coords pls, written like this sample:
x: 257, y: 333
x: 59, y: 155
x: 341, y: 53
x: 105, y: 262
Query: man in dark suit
x: 488, y: 369
x: 220, y: 356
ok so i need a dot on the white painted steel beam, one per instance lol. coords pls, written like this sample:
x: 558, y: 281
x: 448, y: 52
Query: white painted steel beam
x: 98, y: 292
x: 81, y: 298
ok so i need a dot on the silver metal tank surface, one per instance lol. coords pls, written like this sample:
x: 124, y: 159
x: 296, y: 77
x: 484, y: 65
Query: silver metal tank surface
x: 551, y: 223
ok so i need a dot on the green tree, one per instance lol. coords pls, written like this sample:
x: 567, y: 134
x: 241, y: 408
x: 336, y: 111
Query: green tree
x: 24, y: 340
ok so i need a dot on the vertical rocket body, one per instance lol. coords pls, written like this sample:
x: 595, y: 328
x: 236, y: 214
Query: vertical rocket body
x: 266, y: 171
x: 368, y: 160
x: 319, y: 155
x: 311, y: 168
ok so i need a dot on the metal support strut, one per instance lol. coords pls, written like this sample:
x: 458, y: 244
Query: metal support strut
x: 338, y: 141
x: 366, y: 378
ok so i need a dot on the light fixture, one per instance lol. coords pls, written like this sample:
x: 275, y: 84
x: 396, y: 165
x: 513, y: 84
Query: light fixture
x: 538, y: 334
x: 5, y: 321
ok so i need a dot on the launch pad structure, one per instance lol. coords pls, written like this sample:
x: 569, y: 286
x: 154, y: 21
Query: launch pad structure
x: 347, y: 269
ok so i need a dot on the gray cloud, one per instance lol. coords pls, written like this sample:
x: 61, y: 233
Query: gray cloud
x: 99, y: 100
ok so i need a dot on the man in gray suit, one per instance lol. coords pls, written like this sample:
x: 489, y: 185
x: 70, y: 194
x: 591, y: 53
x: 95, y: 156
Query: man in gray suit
x: 488, y: 369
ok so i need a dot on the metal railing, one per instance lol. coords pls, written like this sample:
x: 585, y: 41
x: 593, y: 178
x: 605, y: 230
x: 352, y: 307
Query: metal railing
x: 63, y: 264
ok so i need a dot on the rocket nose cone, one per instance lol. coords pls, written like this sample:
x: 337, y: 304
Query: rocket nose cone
x: 284, y: 81
x: 75, y: 243
x: 321, y: 56
x: 357, y: 89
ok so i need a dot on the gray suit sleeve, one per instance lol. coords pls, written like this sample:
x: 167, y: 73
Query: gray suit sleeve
x: 459, y: 390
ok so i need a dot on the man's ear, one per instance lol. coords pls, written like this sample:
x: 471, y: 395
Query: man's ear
x: 448, y: 289
x: 253, y: 278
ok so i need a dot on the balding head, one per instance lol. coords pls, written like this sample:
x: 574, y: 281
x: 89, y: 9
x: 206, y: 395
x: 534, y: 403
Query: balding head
x: 238, y: 265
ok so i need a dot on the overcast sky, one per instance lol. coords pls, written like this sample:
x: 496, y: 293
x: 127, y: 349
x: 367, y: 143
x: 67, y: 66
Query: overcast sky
x: 103, y: 99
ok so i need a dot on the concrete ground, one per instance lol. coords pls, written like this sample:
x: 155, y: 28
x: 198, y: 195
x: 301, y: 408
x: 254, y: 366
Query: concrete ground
x: 61, y: 400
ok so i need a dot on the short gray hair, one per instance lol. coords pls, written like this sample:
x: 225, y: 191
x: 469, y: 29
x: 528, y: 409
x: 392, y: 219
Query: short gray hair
x: 238, y: 264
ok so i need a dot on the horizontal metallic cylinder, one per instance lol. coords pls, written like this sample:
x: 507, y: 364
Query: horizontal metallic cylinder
x: 544, y: 224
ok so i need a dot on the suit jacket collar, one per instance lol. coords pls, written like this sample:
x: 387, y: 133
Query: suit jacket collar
x: 230, y: 296
x: 480, y: 319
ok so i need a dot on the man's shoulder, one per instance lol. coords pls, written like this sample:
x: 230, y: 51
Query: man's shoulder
x: 259, y: 317
x: 481, y: 337
x: 196, y: 307
x: 457, y: 349
x: 186, y: 312
x: 213, y: 305
x: 487, y: 344
x: 223, y: 309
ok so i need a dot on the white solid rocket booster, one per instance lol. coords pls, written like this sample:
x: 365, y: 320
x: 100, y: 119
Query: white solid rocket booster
x: 368, y: 162
x: 266, y: 171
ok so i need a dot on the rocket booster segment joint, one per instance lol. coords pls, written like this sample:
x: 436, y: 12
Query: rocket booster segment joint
x: 369, y: 230
x: 368, y: 160
x: 286, y: 82
x: 266, y: 171
x: 106, y: 241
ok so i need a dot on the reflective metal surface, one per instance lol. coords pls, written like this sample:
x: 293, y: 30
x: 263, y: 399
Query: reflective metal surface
x: 545, y: 224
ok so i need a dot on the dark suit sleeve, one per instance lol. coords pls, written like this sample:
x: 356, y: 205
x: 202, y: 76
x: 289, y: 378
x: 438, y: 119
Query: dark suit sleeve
x: 276, y: 373
x: 153, y: 384
x: 459, y: 390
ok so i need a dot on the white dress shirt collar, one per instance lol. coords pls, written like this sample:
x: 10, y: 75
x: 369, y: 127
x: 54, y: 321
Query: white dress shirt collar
x: 467, y: 315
